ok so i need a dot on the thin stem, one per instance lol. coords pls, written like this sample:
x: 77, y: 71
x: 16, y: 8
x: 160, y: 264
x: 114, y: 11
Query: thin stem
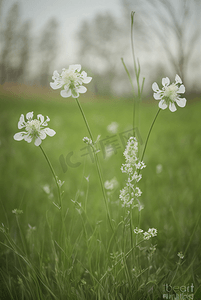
x: 53, y: 173
x: 134, y: 96
x: 96, y: 163
x: 85, y: 120
x: 60, y: 207
x: 145, y: 146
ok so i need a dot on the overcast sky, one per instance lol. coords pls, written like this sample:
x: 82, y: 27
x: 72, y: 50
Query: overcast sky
x: 69, y: 13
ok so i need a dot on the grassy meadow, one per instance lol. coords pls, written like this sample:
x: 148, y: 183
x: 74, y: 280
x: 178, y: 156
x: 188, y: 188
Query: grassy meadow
x: 46, y: 256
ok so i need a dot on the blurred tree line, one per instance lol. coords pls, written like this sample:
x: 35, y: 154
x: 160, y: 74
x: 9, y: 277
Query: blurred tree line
x: 167, y: 42
x: 19, y: 50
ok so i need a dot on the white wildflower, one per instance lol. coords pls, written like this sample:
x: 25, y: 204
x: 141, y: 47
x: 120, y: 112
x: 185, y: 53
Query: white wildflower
x: 71, y: 80
x: 180, y: 254
x: 46, y: 189
x: 169, y: 95
x: 35, y: 129
x: 138, y: 230
x: 17, y: 211
x: 113, y: 127
x: 152, y: 231
x: 159, y: 169
x: 87, y: 141
x: 111, y: 184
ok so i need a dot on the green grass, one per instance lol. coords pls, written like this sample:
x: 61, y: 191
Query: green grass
x: 84, y: 260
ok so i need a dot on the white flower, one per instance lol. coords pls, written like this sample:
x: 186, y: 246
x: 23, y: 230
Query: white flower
x: 147, y: 236
x: 71, y: 80
x: 34, y: 129
x: 169, y: 95
x: 46, y: 189
x: 159, y: 169
x: 152, y: 231
x: 87, y: 140
x: 17, y: 211
x: 111, y: 184
x: 113, y: 127
x: 180, y: 254
x: 138, y: 230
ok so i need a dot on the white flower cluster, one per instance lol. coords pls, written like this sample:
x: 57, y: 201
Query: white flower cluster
x: 130, y: 193
x: 71, y: 80
x: 147, y: 234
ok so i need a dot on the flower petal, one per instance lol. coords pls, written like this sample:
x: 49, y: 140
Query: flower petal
x: 157, y: 96
x: 46, y: 121
x: 65, y: 93
x: 76, y: 67
x: 155, y: 87
x: 38, y: 141
x: 178, y: 79
x: 162, y: 104
x: 181, y: 102
x: 181, y: 89
x: 81, y: 89
x: 19, y: 136
x: 85, y: 79
x: 56, y: 85
x: 29, y: 116
x: 28, y: 138
x: 49, y: 131
x: 42, y: 134
x: 172, y: 107
x: 165, y: 81
x: 55, y: 75
x: 21, y: 122
x: 41, y: 118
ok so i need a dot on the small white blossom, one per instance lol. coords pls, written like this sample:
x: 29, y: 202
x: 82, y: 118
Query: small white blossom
x: 181, y: 256
x: 87, y: 141
x: 17, y: 211
x: 159, y: 169
x: 71, y: 80
x: 152, y: 231
x: 46, y: 189
x: 138, y: 230
x: 147, y: 236
x: 111, y: 184
x: 169, y: 95
x: 113, y: 127
x: 34, y: 129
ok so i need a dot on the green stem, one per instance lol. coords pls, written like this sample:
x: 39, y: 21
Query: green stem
x: 63, y: 231
x: 53, y: 173
x: 96, y: 163
x: 85, y: 120
x: 145, y: 146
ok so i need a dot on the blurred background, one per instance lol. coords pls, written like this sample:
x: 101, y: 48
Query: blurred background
x: 40, y: 36
x: 37, y: 37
